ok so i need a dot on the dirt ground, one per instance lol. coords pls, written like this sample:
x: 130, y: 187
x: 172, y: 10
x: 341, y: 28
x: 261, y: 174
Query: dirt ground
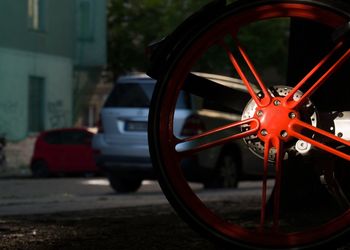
x: 148, y: 227
x: 152, y: 227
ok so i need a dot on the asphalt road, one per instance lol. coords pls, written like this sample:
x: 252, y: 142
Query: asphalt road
x: 36, y: 196
x: 85, y: 213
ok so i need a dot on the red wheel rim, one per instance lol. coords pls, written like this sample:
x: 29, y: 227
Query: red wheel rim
x: 275, y: 138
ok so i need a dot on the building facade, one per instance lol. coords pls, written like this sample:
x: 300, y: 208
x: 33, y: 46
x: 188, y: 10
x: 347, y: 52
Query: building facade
x: 46, y: 46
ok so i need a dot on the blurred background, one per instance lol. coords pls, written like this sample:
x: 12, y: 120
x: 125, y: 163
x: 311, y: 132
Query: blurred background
x: 59, y: 59
x: 59, y: 65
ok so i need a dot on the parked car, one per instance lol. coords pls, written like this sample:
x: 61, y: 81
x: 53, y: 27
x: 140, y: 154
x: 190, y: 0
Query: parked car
x: 63, y: 151
x: 121, y: 144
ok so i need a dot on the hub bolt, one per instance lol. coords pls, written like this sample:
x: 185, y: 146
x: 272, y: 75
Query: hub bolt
x: 264, y: 132
x: 292, y: 115
x: 260, y: 113
x: 276, y: 102
x: 340, y: 134
x: 284, y: 133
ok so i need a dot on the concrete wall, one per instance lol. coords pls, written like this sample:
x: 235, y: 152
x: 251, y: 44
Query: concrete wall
x: 57, y: 37
x: 91, y: 51
x: 56, y: 53
x: 15, y: 68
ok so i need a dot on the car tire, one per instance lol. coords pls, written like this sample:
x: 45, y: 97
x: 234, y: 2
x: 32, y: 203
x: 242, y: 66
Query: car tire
x: 40, y: 170
x: 124, y: 185
x: 226, y: 173
x: 217, y: 27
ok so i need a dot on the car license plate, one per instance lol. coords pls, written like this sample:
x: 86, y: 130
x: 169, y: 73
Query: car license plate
x: 135, y: 126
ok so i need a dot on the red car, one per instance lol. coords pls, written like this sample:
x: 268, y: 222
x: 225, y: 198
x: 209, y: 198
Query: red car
x: 63, y: 151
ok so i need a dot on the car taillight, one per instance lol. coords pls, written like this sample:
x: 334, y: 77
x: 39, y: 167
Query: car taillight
x: 193, y: 126
x: 99, y: 126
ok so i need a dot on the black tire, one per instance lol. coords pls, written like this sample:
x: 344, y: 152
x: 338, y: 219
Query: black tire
x: 123, y: 185
x: 40, y: 170
x: 226, y: 173
x: 177, y: 63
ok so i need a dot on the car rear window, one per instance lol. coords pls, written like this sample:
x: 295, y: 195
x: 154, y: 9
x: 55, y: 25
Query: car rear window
x: 53, y: 137
x: 73, y: 137
x: 133, y: 95
x: 139, y: 95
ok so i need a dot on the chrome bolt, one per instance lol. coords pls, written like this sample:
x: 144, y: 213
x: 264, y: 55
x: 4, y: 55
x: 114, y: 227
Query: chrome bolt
x: 263, y: 132
x: 284, y: 133
x: 302, y: 147
x: 260, y: 95
x: 276, y: 102
x: 340, y: 114
x: 260, y: 113
x: 292, y: 115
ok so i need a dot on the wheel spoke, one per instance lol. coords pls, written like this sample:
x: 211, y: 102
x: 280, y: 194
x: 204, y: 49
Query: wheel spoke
x: 193, y: 144
x: 320, y: 139
x: 272, y: 143
x: 322, y: 71
x: 266, y: 98
x: 264, y: 187
x: 277, y: 198
x: 271, y: 128
x: 216, y: 92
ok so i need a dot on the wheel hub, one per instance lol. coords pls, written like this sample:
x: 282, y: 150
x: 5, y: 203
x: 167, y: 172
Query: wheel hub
x: 275, y: 118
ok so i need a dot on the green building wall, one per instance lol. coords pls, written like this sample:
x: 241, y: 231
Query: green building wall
x: 58, y: 77
x: 52, y: 54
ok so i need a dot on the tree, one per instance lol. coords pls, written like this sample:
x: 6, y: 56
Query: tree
x: 134, y: 24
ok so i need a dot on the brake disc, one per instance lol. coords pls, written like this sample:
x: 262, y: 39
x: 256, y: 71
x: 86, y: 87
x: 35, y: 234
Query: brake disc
x: 308, y: 114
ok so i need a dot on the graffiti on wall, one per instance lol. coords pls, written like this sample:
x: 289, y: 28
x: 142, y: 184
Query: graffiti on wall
x: 56, y: 114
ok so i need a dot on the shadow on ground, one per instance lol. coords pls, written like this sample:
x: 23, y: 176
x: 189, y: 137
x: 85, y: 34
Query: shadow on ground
x: 152, y: 227
x: 148, y: 227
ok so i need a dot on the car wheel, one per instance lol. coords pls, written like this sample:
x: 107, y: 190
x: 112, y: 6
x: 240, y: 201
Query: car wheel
x: 124, y: 185
x: 40, y: 169
x: 226, y: 173
x: 278, y: 124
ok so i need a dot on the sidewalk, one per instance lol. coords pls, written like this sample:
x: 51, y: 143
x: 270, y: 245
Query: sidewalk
x: 14, y: 172
x: 18, y: 156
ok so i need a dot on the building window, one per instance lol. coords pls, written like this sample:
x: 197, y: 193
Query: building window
x: 36, y: 15
x: 36, y: 99
x: 85, y: 21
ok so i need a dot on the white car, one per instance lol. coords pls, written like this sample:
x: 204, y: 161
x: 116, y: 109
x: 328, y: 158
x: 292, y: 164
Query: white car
x: 121, y: 145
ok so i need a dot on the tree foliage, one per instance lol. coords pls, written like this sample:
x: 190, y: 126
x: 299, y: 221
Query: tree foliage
x: 134, y: 24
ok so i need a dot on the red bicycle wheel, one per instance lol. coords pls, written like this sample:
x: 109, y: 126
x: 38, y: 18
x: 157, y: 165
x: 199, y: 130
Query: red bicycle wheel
x: 279, y: 122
